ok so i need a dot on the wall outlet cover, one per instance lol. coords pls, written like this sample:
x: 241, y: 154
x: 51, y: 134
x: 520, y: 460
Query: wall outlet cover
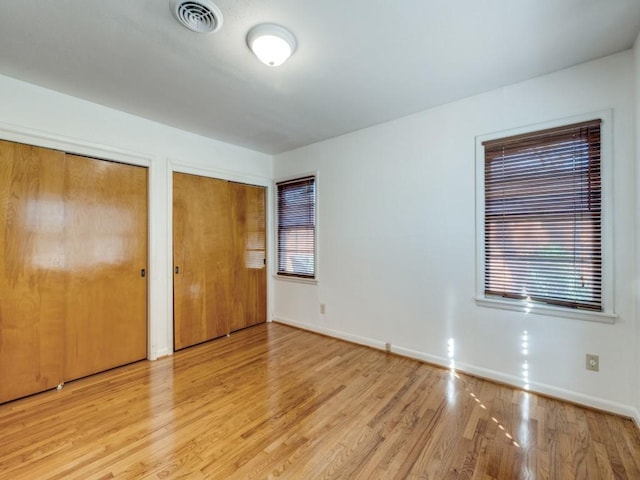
x: 593, y: 362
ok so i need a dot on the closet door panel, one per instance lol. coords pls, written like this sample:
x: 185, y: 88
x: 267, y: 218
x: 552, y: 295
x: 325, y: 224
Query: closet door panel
x: 214, y: 223
x: 188, y: 245
x: 201, y: 246
x: 31, y: 269
x: 106, y: 251
x: 249, y: 278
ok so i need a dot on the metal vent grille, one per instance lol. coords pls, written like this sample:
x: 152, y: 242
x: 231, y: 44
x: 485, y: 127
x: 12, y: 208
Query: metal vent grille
x: 200, y: 16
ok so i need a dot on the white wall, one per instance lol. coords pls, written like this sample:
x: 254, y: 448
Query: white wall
x: 636, y: 369
x: 397, y: 240
x: 39, y: 116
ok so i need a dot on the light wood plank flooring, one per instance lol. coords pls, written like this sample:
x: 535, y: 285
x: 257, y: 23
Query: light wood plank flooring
x: 275, y: 402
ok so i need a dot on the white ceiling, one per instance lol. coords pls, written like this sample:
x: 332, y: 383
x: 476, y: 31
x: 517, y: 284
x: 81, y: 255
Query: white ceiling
x: 358, y: 62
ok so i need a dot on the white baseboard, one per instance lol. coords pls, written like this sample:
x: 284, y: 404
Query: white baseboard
x: 494, y: 375
x: 162, y: 352
x: 636, y: 417
x: 369, y: 342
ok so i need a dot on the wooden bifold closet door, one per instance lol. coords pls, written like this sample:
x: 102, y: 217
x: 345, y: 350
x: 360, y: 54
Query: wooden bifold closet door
x: 73, y: 241
x: 201, y: 248
x: 219, y: 258
x: 106, y: 253
x: 248, y: 256
x: 31, y: 269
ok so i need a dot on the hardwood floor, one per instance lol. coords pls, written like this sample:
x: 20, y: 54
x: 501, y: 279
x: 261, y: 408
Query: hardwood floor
x: 275, y: 402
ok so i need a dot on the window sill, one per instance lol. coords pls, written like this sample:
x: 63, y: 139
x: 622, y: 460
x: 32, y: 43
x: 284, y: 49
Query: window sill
x: 536, y: 308
x: 292, y: 279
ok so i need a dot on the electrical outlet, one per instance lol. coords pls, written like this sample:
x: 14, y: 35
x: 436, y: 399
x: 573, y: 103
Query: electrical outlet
x: 593, y: 362
x: 323, y: 308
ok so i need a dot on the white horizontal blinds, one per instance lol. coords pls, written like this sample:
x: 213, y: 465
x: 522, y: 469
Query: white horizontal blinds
x: 543, y: 228
x: 296, y: 227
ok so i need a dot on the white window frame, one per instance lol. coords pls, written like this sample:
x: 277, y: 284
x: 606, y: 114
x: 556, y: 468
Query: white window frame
x: 607, y: 315
x: 293, y: 278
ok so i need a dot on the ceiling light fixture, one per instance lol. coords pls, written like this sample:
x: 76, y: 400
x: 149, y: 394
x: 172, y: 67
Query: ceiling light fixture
x: 271, y: 43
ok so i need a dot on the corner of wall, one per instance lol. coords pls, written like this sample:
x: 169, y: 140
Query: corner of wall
x: 636, y: 70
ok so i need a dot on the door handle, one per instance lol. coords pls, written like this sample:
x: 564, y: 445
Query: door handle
x: 177, y: 270
x: 143, y: 273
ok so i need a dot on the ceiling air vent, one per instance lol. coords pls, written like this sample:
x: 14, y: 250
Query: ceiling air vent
x: 200, y: 16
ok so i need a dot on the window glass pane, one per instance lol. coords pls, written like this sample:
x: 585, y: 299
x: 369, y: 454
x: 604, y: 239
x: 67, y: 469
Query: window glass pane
x: 296, y: 227
x: 543, y: 217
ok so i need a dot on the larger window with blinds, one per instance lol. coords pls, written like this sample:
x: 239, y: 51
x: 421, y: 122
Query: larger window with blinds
x: 296, y: 218
x: 543, y: 217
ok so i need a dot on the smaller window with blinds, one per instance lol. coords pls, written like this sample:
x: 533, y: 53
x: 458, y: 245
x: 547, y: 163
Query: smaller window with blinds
x: 543, y: 217
x: 296, y: 227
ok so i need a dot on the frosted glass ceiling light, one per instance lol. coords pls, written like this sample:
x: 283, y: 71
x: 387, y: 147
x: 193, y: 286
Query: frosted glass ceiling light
x: 272, y: 44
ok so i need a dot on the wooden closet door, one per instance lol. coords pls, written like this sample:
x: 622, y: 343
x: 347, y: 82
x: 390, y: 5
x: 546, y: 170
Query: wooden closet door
x: 249, y: 273
x: 106, y: 250
x: 201, y: 249
x: 31, y: 269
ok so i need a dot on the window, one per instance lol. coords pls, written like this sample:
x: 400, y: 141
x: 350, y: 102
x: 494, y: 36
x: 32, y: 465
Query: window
x: 543, y: 217
x: 296, y: 205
